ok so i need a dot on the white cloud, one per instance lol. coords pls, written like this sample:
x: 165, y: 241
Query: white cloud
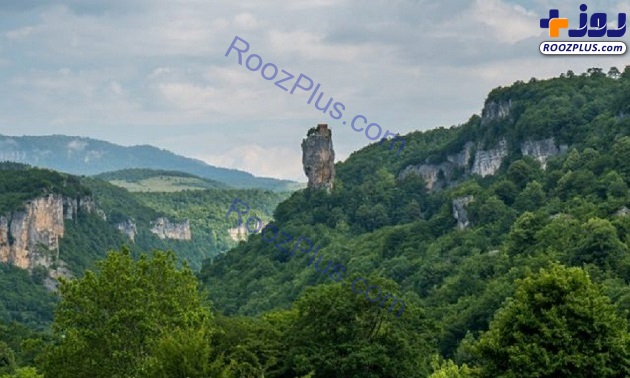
x: 20, y: 33
x: 116, y: 88
x: 154, y: 71
x: 278, y: 162
x: 312, y: 46
x: 509, y: 23
x: 77, y: 145
x: 246, y: 21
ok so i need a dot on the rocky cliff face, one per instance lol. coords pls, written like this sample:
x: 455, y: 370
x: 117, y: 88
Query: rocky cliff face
x: 72, y: 206
x: 488, y: 162
x: 542, y: 150
x: 434, y: 176
x: 494, y: 111
x: 166, y: 229
x: 459, y: 211
x: 128, y: 228
x: 485, y: 162
x: 623, y: 212
x: 30, y: 238
x: 238, y: 233
x: 438, y: 176
x: 318, y: 158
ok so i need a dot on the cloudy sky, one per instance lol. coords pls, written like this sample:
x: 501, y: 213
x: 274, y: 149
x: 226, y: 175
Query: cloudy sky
x: 155, y: 71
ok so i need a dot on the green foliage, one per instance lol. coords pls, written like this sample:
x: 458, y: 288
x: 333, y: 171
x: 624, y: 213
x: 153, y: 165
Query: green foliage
x: 7, y: 358
x: 599, y: 245
x: 557, y: 325
x: 19, y: 183
x: 330, y: 331
x: 448, y: 369
x: 523, y: 218
x: 22, y: 299
x: 375, y: 223
x: 338, y: 333
x: 26, y: 372
x: 148, y: 180
x: 110, y: 322
x: 185, y: 352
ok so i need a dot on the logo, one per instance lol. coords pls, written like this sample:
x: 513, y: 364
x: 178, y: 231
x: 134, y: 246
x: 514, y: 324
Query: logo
x: 596, y: 27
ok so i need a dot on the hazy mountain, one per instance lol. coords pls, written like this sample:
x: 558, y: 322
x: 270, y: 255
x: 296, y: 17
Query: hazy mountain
x: 86, y: 156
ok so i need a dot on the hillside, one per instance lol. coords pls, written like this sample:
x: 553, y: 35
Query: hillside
x: 540, y: 178
x: 54, y: 224
x: 150, y: 180
x: 86, y: 156
x: 496, y: 248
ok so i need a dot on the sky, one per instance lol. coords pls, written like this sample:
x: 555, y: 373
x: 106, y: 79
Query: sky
x: 155, y: 71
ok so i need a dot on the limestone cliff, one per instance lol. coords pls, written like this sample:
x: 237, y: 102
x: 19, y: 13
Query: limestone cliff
x: 238, y: 233
x: 542, y: 150
x: 30, y: 237
x: 165, y: 229
x: 438, y: 176
x: 459, y: 211
x: 487, y: 162
x: 484, y: 162
x: 318, y: 158
x: 71, y: 207
x: 494, y: 111
x: 128, y: 228
x: 434, y: 176
x: 623, y: 212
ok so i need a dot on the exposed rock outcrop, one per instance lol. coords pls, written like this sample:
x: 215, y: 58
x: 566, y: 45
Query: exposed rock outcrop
x: 493, y: 111
x: 71, y: 207
x: 165, y: 229
x: 542, y: 150
x: 238, y: 233
x: 459, y: 211
x: 484, y: 163
x: 623, y: 212
x: 462, y: 159
x: 318, y: 158
x: 30, y: 237
x: 430, y: 173
x: 488, y: 162
x: 128, y: 228
x: 439, y: 176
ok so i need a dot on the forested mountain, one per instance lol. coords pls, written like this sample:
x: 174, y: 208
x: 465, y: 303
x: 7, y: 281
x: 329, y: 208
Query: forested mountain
x: 463, y: 214
x: 504, y: 242
x: 57, y: 225
x: 86, y: 156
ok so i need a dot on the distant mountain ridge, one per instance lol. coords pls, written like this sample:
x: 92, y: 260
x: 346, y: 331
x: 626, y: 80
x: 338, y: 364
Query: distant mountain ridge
x: 153, y: 180
x: 87, y: 156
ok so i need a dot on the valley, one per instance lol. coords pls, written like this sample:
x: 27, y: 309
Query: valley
x: 506, y: 239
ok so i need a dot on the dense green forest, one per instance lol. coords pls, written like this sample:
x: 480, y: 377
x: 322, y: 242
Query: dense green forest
x: 524, y: 219
x: 204, y: 209
x: 87, y: 237
x: 19, y: 183
x: 536, y: 286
